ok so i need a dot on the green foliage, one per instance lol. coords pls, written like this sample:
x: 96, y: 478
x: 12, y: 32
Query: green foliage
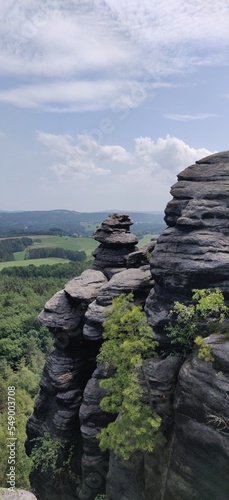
x: 23, y: 407
x: 129, y: 340
x: 24, y: 344
x: 50, y: 455
x: 210, y: 304
x: 44, y: 252
x: 58, y: 270
x: 187, y: 323
x: 10, y: 245
x: 45, y: 455
x: 204, y: 349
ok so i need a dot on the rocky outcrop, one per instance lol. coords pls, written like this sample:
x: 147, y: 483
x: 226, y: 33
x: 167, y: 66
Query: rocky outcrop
x: 116, y: 242
x: 190, y: 396
x: 199, y: 449
x: 67, y: 405
x: 194, y: 251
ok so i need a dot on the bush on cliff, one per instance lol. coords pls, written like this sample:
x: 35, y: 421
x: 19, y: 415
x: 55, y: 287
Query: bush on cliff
x: 128, y: 341
x: 190, y: 323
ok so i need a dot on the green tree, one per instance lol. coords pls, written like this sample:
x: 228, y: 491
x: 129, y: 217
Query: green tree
x: 190, y: 323
x: 128, y: 341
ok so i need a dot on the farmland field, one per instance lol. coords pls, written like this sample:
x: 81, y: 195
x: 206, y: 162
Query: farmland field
x: 68, y: 243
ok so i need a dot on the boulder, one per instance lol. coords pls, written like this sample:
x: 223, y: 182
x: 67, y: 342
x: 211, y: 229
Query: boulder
x: 60, y: 315
x: 138, y: 281
x: 85, y: 288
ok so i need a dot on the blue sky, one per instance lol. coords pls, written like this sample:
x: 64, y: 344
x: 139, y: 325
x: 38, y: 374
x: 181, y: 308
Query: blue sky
x: 104, y: 102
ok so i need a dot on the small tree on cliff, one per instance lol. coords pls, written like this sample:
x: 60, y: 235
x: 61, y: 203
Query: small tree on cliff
x: 128, y: 341
x: 190, y: 323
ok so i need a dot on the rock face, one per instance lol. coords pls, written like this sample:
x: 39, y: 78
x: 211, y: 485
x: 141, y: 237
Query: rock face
x: 67, y: 405
x: 190, y: 396
x: 194, y: 251
x: 199, y: 450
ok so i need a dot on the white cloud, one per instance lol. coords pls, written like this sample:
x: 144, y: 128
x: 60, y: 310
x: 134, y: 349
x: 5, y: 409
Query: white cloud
x: 2, y: 134
x: 77, y: 96
x: 68, y: 45
x: 143, y: 176
x: 187, y: 118
x: 82, y: 157
x: 170, y: 154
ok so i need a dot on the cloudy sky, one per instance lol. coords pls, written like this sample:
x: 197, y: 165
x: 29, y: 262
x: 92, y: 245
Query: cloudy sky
x: 103, y: 102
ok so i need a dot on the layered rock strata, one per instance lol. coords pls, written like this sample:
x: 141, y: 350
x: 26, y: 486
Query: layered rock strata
x: 116, y: 242
x: 192, y: 399
x: 194, y: 251
x: 199, y: 448
x: 67, y: 405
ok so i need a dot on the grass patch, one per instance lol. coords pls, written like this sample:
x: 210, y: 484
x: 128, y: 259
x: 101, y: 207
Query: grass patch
x: 66, y: 242
x: 145, y: 240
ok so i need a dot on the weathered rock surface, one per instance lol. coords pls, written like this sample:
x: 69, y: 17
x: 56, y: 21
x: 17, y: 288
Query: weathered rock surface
x: 116, y: 243
x: 141, y: 257
x: 93, y: 419
x: 199, y: 451
x: 94, y: 319
x: 6, y: 494
x: 75, y: 317
x: 60, y: 315
x: 194, y: 251
x: 137, y: 280
x: 86, y: 287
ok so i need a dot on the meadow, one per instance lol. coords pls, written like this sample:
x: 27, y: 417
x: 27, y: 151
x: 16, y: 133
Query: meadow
x: 88, y: 245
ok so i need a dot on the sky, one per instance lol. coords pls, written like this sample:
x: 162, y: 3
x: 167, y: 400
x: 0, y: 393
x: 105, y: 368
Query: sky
x: 104, y: 102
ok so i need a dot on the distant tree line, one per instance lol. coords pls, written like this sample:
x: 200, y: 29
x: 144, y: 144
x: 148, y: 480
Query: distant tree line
x: 61, y: 253
x: 66, y: 271
x: 11, y: 245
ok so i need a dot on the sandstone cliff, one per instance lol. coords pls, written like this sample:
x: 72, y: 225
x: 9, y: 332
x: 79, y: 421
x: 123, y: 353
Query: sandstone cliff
x: 191, y: 396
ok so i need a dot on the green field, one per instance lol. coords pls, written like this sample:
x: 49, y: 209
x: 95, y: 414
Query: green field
x: 66, y: 242
x: 45, y: 241
x: 146, y: 239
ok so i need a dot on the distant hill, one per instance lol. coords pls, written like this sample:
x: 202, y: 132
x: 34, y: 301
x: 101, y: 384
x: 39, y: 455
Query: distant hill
x: 70, y: 222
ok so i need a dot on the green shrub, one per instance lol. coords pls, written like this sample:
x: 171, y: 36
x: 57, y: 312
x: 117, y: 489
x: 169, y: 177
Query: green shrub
x: 128, y: 341
x: 189, y: 324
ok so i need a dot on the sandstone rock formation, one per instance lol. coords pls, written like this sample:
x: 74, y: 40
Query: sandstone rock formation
x: 191, y: 396
x: 194, y: 251
x: 116, y: 242
x: 67, y: 405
